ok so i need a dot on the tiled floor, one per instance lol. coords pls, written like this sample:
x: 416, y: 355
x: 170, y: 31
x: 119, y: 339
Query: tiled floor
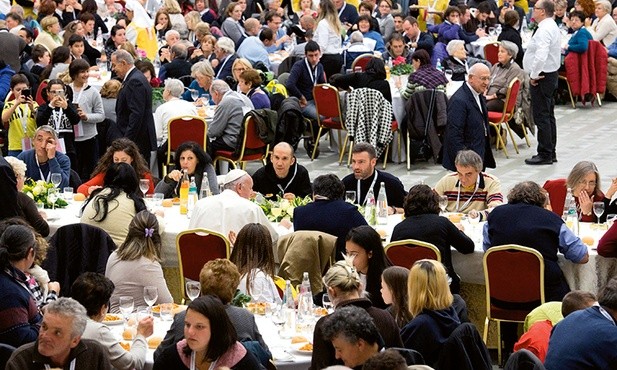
x: 584, y: 133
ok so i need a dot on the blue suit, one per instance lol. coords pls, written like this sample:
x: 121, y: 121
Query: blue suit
x: 467, y: 128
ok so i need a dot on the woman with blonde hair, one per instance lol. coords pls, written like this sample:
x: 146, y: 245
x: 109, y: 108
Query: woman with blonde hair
x: 430, y: 304
x: 109, y: 94
x: 344, y: 288
x: 192, y: 18
x: 50, y: 36
x: 328, y: 36
x: 136, y: 263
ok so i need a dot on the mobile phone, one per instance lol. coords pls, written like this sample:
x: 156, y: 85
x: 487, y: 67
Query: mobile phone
x: 60, y: 94
x: 26, y: 92
x: 506, y: 5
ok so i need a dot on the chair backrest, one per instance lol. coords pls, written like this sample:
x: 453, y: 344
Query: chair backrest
x: 195, y: 247
x: 186, y: 80
x: 490, y: 52
x: 511, y: 95
x: 183, y: 129
x: 406, y: 252
x: 514, y: 278
x: 251, y: 143
x: 361, y: 61
x: 40, y: 95
x: 75, y: 249
x: 464, y: 350
x: 327, y: 102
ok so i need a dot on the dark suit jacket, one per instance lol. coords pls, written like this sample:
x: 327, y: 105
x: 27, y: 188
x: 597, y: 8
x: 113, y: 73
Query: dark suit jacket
x: 334, y: 217
x: 8, y: 195
x: 226, y: 69
x: 467, y: 128
x: 134, y: 118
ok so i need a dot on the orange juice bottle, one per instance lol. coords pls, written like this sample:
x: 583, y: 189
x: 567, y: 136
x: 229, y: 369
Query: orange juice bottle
x: 184, y: 193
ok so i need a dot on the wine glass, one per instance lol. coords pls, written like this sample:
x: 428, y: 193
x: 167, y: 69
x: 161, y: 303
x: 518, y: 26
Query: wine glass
x: 144, y: 185
x: 52, y: 197
x: 350, y: 196
x: 158, y: 199
x: 126, y: 306
x: 56, y: 179
x: 151, y: 294
x: 598, y: 209
x: 194, y: 94
x: 327, y: 303
x: 193, y: 289
x: 443, y: 203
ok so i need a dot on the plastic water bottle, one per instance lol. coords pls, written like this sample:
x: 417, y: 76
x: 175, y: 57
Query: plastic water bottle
x: 370, y: 212
x: 289, y: 307
x: 205, y: 187
x: 99, y: 39
x: 305, y: 301
x: 192, y: 198
x: 184, y: 192
x: 382, y: 205
x: 570, y: 214
x: 439, y: 66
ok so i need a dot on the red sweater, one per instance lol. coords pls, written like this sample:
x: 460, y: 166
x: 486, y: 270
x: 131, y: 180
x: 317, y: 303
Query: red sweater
x: 557, y: 190
x: 98, y: 181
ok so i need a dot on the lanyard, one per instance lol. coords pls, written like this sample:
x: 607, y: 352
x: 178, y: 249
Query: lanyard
x: 222, y: 66
x: 458, y: 196
x: 290, y: 181
x: 41, y: 172
x: 57, y: 118
x: 77, y: 99
x: 371, y: 187
x: 313, y: 75
x: 71, y: 366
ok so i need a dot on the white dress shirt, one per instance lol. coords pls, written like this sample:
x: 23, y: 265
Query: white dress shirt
x: 329, y: 41
x: 544, y: 50
x: 168, y: 110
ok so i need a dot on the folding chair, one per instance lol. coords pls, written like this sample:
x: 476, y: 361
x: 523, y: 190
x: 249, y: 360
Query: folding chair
x: 496, y: 119
x: 406, y: 252
x: 361, y: 61
x: 329, y: 115
x: 182, y: 129
x: 252, y: 149
x: 490, y: 52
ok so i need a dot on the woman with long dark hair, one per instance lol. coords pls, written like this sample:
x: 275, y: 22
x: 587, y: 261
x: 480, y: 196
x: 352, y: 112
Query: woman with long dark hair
x: 374, y: 77
x: 253, y: 256
x: 120, y: 151
x: 113, y: 206
x: 363, y: 244
x: 192, y: 158
x: 210, y: 341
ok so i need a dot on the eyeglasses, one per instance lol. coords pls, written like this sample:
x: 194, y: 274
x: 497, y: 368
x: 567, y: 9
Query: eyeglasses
x: 56, y: 92
x: 587, y: 183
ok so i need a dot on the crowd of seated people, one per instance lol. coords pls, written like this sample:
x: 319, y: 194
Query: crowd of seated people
x: 207, y: 48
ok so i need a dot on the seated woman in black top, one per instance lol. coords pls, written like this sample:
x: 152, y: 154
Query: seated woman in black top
x: 422, y: 222
x: 374, y: 77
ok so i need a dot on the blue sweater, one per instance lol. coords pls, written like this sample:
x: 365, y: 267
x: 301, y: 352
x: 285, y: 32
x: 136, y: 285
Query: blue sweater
x: 585, y: 339
x: 19, y: 316
x: 299, y: 82
x: 60, y: 164
x: 579, y: 42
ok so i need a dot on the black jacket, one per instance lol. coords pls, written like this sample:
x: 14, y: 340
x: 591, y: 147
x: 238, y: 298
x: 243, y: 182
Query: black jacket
x: 270, y: 185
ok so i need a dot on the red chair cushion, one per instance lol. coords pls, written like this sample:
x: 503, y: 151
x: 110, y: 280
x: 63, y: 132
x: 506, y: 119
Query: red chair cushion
x: 394, y: 126
x: 331, y: 123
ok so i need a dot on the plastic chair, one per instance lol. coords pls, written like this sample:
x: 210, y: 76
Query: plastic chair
x: 490, y: 52
x: 361, y: 61
x: 198, y: 246
x: 496, y: 119
x: 406, y: 252
x: 514, y: 277
x: 183, y: 129
x: 329, y: 115
x: 252, y: 149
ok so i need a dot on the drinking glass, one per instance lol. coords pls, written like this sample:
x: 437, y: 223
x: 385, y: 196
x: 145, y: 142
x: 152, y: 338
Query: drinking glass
x: 610, y: 219
x: 126, y: 306
x: 350, y: 196
x: 67, y: 193
x: 598, y: 209
x: 52, y: 197
x: 158, y: 199
x: 144, y: 185
x: 167, y: 311
x: 327, y: 303
x: 56, y: 179
x: 194, y: 94
x: 205, y: 98
x: 279, y: 317
x: 193, y: 289
x: 151, y: 294
x: 443, y: 203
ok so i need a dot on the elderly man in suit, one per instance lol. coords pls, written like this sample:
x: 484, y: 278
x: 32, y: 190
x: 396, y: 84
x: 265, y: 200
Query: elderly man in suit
x: 134, y: 105
x: 468, y: 126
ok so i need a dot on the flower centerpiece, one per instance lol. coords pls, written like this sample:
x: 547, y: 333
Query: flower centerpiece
x: 400, y: 66
x: 38, y: 191
x: 281, y: 208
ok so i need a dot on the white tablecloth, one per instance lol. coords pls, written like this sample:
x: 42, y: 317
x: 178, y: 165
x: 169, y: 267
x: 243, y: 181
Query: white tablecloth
x: 285, y: 357
x: 590, y: 276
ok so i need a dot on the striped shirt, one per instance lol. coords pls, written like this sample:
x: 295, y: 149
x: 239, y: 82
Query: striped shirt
x: 487, y: 195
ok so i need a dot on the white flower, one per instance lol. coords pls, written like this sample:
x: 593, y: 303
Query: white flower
x: 285, y: 204
x: 29, y: 193
x: 38, y: 189
x: 290, y: 211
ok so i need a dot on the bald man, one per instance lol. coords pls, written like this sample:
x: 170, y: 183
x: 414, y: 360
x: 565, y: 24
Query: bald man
x: 253, y: 47
x: 282, y: 175
x: 467, y: 126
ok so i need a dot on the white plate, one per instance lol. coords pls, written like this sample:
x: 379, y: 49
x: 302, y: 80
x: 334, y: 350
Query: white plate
x: 114, y: 322
x: 296, y: 347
